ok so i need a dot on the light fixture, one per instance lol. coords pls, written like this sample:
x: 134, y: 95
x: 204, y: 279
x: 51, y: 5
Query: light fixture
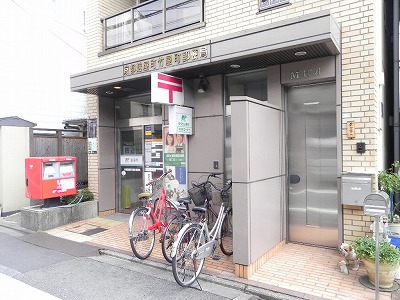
x: 117, y: 87
x: 203, y: 84
x: 300, y: 53
x: 234, y: 66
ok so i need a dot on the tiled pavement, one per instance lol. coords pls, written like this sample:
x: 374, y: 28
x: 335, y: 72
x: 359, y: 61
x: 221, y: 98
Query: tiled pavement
x: 296, y: 268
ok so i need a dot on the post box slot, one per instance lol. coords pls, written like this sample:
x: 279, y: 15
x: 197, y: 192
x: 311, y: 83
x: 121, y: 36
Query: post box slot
x: 66, y: 169
x: 50, y: 170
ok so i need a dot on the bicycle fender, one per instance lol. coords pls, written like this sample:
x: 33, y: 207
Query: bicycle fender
x: 180, y: 233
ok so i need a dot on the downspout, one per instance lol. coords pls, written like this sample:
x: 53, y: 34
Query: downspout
x: 396, y: 128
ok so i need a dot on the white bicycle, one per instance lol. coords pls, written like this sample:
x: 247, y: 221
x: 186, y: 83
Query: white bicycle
x: 195, y: 242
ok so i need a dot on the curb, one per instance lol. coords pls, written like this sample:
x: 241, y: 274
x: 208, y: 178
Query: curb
x: 263, y: 293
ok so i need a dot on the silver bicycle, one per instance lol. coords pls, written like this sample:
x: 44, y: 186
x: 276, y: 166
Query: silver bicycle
x: 195, y: 242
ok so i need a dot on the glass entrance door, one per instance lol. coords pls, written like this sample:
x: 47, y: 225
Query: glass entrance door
x: 131, y: 162
x: 140, y: 161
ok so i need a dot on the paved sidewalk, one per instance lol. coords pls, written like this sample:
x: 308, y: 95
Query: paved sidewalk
x: 295, y: 271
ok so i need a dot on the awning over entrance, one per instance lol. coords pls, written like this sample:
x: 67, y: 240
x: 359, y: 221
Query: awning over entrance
x: 318, y: 35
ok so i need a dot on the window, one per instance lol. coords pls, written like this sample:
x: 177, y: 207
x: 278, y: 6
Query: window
x: 269, y: 4
x: 137, y: 107
x: 252, y: 84
x: 147, y: 20
x: 180, y: 13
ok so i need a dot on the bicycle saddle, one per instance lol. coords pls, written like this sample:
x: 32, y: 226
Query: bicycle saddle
x: 145, y: 195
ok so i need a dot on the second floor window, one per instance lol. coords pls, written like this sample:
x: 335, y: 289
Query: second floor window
x: 151, y: 18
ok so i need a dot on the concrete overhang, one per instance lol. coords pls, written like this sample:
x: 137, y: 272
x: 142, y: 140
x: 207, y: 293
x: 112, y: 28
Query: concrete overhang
x: 317, y: 34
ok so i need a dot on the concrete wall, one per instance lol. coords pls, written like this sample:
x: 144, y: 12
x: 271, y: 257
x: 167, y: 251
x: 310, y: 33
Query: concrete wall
x: 14, y: 148
x: 258, y: 174
x: 207, y: 143
x: 106, y: 151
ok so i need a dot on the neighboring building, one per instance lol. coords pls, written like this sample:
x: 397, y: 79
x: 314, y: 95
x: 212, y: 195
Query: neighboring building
x: 43, y: 43
x: 293, y: 99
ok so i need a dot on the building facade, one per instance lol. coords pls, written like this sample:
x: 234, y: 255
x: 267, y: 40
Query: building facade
x: 287, y: 99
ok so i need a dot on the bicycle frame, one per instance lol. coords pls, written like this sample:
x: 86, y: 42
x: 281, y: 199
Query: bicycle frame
x: 156, y: 212
x: 213, y: 237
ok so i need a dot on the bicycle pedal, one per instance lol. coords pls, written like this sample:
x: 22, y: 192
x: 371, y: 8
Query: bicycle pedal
x: 216, y: 257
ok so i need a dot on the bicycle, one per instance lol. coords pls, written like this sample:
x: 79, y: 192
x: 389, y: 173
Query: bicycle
x: 195, y: 241
x: 197, y: 194
x: 145, y: 220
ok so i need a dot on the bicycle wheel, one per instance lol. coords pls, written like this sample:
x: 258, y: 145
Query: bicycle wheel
x: 141, y: 239
x: 226, y: 244
x: 169, y: 235
x: 185, y: 267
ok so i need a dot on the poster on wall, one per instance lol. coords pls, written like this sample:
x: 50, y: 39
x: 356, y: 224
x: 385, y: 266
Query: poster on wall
x: 153, y: 150
x: 175, y: 158
x: 92, y: 136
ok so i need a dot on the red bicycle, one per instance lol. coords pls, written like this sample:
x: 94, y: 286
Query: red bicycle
x: 146, y: 220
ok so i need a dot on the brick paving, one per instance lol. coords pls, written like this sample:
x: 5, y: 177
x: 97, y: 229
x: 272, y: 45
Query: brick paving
x: 296, y: 268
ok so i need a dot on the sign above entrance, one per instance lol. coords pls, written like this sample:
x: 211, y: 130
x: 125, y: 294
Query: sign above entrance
x: 166, y: 89
x: 180, y: 120
x: 185, y: 57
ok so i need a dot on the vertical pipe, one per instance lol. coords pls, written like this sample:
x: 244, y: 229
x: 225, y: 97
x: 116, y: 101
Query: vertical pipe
x: 396, y: 131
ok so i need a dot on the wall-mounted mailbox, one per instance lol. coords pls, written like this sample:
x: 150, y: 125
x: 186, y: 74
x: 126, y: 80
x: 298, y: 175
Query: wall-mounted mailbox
x: 50, y: 177
x: 355, y: 187
x: 376, y: 204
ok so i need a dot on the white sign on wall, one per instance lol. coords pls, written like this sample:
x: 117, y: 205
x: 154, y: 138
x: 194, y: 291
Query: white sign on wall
x: 180, y: 120
x: 166, y: 89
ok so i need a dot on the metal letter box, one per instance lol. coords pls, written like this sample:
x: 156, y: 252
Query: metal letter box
x: 376, y: 204
x: 355, y: 187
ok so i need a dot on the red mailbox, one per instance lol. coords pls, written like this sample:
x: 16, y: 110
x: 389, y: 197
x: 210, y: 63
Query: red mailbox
x: 50, y: 177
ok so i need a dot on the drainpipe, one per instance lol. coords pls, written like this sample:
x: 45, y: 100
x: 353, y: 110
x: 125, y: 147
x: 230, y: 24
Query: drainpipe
x: 396, y: 128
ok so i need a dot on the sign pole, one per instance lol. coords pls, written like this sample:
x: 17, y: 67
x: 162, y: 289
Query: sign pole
x: 377, y: 257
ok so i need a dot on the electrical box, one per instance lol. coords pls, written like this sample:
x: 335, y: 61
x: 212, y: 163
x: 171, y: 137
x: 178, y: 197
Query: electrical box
x: 355, y: 187
x: 50, y: 177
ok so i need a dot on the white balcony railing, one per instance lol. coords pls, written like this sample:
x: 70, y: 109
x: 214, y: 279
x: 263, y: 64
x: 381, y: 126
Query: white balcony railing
x: 149, y: 19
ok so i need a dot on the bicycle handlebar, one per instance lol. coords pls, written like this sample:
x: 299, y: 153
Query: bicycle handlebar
x: 159, y: 178
x: 222, y: 190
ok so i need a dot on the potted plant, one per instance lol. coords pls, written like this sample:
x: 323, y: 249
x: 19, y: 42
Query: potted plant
x: 389, y: 258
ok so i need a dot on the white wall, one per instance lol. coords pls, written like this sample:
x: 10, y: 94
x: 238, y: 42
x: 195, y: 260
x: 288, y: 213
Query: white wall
x: 43, y: 42
x: 14, y: 148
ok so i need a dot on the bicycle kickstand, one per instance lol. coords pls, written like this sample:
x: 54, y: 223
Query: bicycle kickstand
x: 198, y: 282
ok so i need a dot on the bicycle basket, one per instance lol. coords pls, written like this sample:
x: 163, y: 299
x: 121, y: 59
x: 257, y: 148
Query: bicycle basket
x: 156, y: 187
x: 196, y: 195
x: 199, y: 193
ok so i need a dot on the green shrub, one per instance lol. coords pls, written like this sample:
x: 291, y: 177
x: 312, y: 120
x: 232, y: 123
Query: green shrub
x: 365, y: 248
x: 87, y: 196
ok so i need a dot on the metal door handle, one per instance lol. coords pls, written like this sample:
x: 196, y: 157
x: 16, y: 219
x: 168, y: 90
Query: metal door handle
x: 293, y: 178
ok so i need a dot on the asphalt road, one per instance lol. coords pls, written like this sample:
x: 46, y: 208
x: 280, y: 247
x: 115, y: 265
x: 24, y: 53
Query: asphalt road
x: 70, y: 271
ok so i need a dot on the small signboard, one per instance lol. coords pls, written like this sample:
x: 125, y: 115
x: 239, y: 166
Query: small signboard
x: 180, y: 120
x: 166, y: 89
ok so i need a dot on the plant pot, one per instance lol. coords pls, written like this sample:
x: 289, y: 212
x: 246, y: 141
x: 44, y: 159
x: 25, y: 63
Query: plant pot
x: 387, y: 273
x: 394, y: 227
